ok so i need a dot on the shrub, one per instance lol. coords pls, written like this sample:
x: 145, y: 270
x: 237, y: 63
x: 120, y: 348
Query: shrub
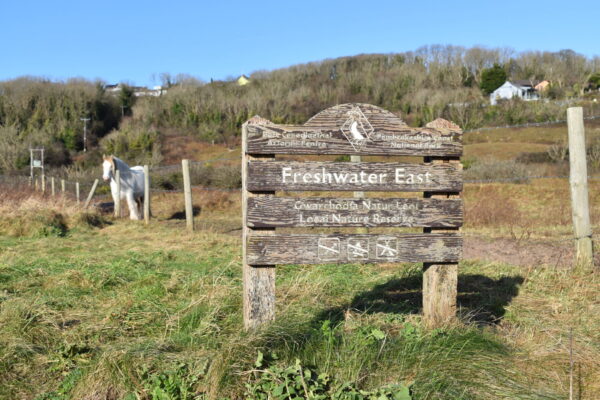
x: 135, y: 146
x: 558, y: 152
x: 498, y: 171
x: 228, y: 177
x: 537, y: 157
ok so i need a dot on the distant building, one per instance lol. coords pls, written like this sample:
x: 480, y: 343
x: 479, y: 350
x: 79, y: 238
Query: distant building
x: 138, y: 91
x: 243, y: 80
x: 523, y: 89
x: 543, y: 85
x: 155, y: 91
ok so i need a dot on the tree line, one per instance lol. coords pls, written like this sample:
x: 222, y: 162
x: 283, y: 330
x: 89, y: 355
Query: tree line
x: 452, y: 82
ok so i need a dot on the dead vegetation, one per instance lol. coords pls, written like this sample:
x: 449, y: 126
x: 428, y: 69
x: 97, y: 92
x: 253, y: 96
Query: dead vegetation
x: 24, y: 212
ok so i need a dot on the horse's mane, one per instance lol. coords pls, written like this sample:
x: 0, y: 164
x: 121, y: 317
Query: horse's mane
x: 120, y: 164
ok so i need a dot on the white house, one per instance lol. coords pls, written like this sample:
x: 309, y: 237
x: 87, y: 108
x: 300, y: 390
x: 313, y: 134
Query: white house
x: 523, y: 89
x: 138, y: 91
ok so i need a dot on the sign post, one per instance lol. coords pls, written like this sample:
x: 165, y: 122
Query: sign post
x: 258, y: 279
x: 36, y: 160
x: 358, y: 130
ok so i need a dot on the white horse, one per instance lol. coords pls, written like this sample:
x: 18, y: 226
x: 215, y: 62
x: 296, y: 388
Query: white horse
x: 132, y: 183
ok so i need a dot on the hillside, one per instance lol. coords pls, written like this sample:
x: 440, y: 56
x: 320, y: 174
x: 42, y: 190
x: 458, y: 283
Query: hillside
x: 431, y: 82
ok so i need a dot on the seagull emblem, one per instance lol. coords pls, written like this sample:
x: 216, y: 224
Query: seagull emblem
x: 354, y: 131
x: 357, y: 128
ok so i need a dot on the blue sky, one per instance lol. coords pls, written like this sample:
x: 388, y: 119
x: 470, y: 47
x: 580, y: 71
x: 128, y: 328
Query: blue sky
x: 132, y: 40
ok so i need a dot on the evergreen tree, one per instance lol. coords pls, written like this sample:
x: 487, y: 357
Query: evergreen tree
x: 492, y: 78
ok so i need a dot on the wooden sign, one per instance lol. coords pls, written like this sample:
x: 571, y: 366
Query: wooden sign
x: 327, y: 249
x: 351, y: 129
x: 285, y: 212
x: 348, y: 176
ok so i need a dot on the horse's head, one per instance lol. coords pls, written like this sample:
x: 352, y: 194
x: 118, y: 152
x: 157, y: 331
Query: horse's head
x: 108, y: 167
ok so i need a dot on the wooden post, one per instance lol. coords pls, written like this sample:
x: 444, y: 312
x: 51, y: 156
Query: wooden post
x: 440, y: 280
x: 77, y: 191
x: 43, y: 184
x: 146, y: 194
x: 187, y: 193
x: 35, y: 185
x: 258, y: 280
x: 52, y: 186
x: 579, y: 187
x: 359, y: 195
x: 89, y: 198
x: 118, y: 196
x: 62, y: 186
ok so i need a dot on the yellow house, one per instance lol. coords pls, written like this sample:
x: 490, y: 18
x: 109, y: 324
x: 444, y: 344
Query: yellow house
x: 243, y: 80
x: 543, y: 85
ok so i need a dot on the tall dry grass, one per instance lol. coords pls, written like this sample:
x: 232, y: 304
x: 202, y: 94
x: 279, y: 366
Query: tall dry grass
x: 26, y: 212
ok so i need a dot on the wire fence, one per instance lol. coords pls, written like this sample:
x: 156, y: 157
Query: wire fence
x: 527, y: 125
x: 80, y: 189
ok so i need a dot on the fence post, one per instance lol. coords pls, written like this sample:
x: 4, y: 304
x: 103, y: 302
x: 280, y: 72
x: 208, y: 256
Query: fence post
x: 35, y: 185
x: 187, y: 192
x: 117, y: 205
x: 579, y: 186
x: 62, y: 186
x: 43, y: 184
x: 146, y: 194
x: 52, y: 186
x: 77, y: 192
x: 89, y: 198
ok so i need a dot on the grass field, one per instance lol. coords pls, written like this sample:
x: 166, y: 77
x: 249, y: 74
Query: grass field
x: 103, y: 309
x: 95, y: 308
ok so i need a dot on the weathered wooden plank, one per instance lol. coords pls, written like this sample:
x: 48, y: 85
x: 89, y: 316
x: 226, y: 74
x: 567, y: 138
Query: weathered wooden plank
x: 348, y: 176
x: 395, y: 140
x: 342, y: 248
x: 335, y: 116
x: 282, y: 212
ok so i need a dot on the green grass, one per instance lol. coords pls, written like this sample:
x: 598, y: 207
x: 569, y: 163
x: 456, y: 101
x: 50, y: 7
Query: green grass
x: 129, y: 310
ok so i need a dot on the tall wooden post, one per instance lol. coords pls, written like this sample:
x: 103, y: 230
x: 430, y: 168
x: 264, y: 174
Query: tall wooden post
x: 359, y: 195
x: 62, y: 186
x: 89, y: 198
x: 43, y: 184
x: 258, y: 280
x: 77, y: 192
x: 118, y: 196
x: 579, y: 187
x: 52, y: 186
x: 187, y: 193
x: 146, y: 194
x: 440, y: 280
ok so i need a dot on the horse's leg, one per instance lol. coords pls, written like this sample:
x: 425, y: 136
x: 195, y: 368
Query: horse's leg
x: 140, y: 205
x: 133, y: 211
x: 113, y: 193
